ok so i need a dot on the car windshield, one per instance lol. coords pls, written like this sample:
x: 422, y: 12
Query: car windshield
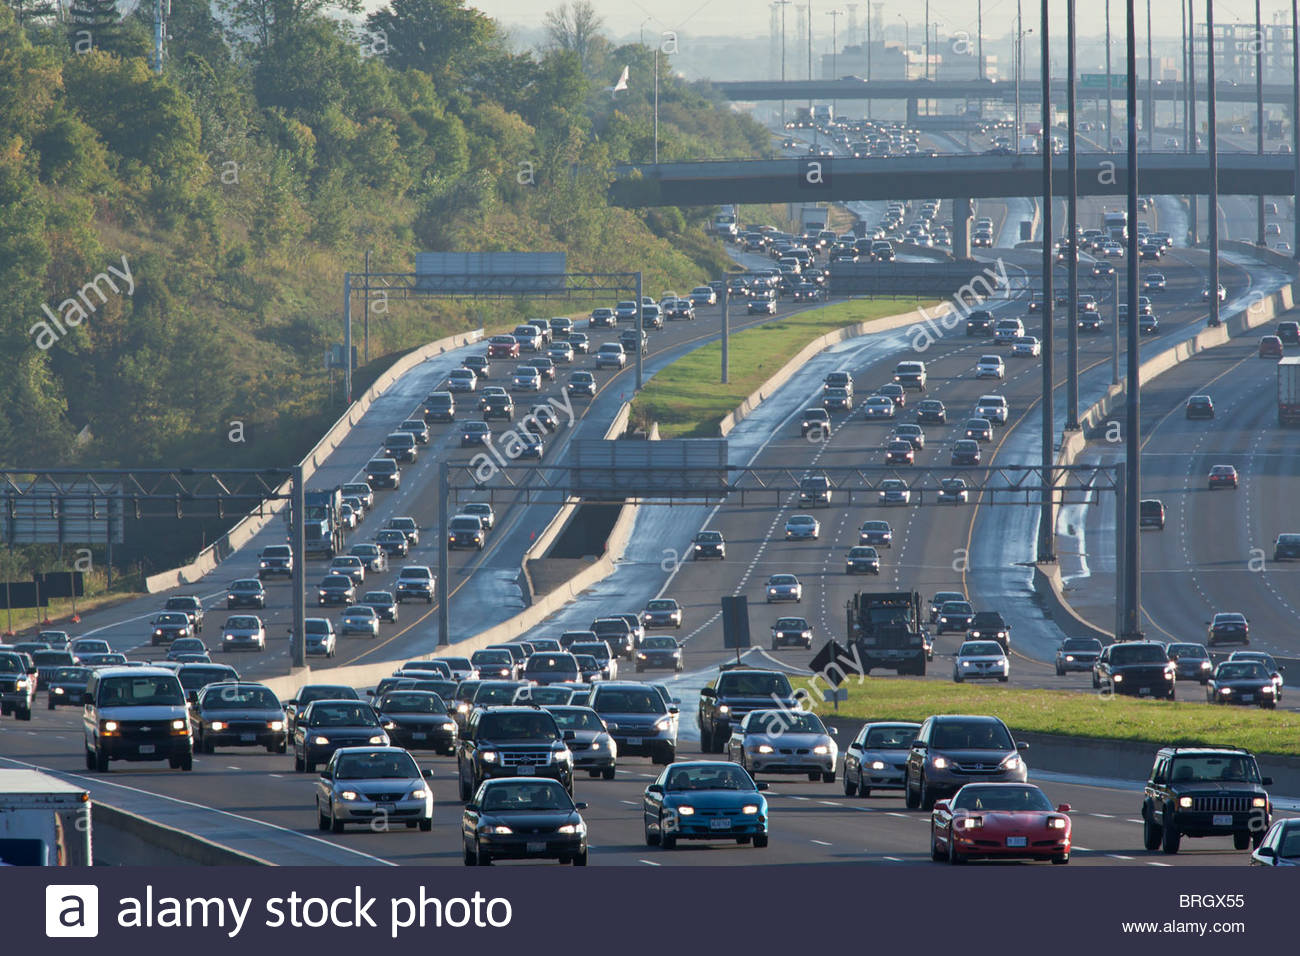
x: 708, y: 537
x: 46, y: 658
x: 891, y: 737
x: 980, y: 649
x: 776, y: 722
x: 1241, y: 670
x: 196, y: 678
x: 1211, y: 768
x: 71, y: 675
x: 576, y: 718
x: 1138, y: 654
x: 659, y: 644
x: 322, y: 692
x: 171, y: 619
x: 712, y: 776
x: 179, y: 604
x: 1081, y: 644
x: 600, y: 650
x: 340, y: 714
x: 491, y: 657
x: 783, y: 579
x: 1010, y: 799
x: 143, y: 690
x: 376, y: 765
x: 413, y: 702
x: 488, y: 694
x: 235, y: 697
x: 661, y: 605
x: 1194, y: 651
x: 531, y: 797
x: 988, y: 619
x: 971, y: 735
x: 518, y: 726
x: 12, y: 664
x: 628, y: 701
x: 955, y: 607
x: 761, y: 684
x: 545, y: 663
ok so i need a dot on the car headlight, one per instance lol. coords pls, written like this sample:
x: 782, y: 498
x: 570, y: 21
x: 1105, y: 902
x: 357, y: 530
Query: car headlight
x: 877, y: 765
x: 320, y: 593
x: 320, y: 741
x: 724, y: 709
x: 58, y: 690
x: 380, y: 739
x: 419, y: 793
x: 489, y: 756
x: 216, y: 724
x: 1205, y: 665
x: 685, y: 811
x: 763, y: 749
x: 276, y: 725
x: 579, y: 828
x: 965, y: 663
x: 641, y: 656
x: 564, y: 756
x: 1117, y: 678
x: 347, y: 795
x: 1268, y: 689
x: 449, y: 725
x: 1225, y: 690
x: 1185, y: 802
x: 1259, y: 802
x: 1011, y: 762
x: 750, y: 809
x: 1069, y: 657
x: 110, y: 726
x: 939, y: 763
x: 158, y: 631
x: 972, y: 823
x: 821, y: 749
x: 499, y: 830
x: 1056, y: 823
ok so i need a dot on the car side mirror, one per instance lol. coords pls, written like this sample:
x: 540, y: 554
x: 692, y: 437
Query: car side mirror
x: 655, y: 788
x: 943, y: 805
x: 760, y: 786
x: 1063, y: 808
x: 471, y: 805
x: 708, y: 692
x: 673, y: 709
x: 918, y: 744
x: 1267, y: 853
x: 193, y: 697
x: 370, y: 692
x: 855, y: 746
x: 580, y: 806
x: 1021, y: 745
x: 327, y: 774
x: 835, y: 731
x: 678, y: 700
x: 428, y: 773
x: 1267, y: 781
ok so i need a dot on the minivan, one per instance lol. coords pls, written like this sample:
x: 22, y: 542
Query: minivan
x: 136, y: 714
x: 1151, y: 514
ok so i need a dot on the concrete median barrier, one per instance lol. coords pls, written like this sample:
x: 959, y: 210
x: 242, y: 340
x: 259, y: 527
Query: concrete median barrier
x: 123, y: 838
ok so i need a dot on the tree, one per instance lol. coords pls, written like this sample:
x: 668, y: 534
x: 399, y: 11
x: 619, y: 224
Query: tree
x: 439, y: 37
x: 93, y: 25
x: 268, y: 22
x: 573, y: 27
x: 30, y: 11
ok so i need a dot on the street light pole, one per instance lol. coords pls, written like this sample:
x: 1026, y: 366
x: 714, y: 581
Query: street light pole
x: 927, y: 39
x: 1046, y: 532
x: 1212, y: 208
x: 1194, y: 204
x: 1259, y: 116
x: 1132, y: 560
x: 1072, y: 247
x: 1295, y: 124
x: 1110, y: 131
x: 783, y: 4
x: 1151, y: 88
x: 835, y: 48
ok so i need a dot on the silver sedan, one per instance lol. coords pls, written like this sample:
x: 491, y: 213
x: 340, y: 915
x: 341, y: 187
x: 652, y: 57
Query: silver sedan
x: 381, y: 787
x: 784, y: 587
x: 784, y: 741
x: 360, y: 619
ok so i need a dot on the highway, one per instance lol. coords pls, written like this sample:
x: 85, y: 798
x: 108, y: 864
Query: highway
x: 936, y: 548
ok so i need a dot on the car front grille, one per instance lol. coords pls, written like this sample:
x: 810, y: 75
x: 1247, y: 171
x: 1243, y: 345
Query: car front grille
x: 521, y: 757
x: 977, y: 768
x: 385, y: 797
x: 1221, y: 804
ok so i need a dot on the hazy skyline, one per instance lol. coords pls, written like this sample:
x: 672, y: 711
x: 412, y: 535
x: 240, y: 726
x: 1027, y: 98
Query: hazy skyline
x: 749, y: 18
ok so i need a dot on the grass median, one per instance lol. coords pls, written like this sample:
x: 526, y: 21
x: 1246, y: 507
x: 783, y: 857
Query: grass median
x: 686, y: 398
x: 1071, y: 713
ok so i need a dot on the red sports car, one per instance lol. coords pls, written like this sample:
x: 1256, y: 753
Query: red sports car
x: 999, y: 821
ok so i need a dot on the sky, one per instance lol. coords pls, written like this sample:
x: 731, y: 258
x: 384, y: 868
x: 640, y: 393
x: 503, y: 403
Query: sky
x: 748, y: 18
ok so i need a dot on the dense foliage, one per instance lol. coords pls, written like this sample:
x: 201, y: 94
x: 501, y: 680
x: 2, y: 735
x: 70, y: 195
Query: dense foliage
x: 231, y: 192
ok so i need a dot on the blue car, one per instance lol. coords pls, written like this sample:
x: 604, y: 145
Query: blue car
x: 705, y: 800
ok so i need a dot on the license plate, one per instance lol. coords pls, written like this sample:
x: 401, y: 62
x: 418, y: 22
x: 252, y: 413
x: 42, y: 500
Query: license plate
x: 1017, y: 841
x: 1222, y: 820
x: 419, y: 736
x: 720, y: 823
x: 525, y: 771
x: 634, y: 741
x: 1247, y: 698
x: 147, y: 748
x: 537, y: 847
x: 1144, y: 691
x: 386, y: 807
x: 248, y: 738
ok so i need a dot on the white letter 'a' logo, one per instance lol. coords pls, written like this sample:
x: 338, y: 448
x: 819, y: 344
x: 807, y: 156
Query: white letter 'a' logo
x: 71, y: 911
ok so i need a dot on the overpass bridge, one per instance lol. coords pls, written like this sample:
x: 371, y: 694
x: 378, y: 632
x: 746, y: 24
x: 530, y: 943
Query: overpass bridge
x: 913, y: 91
x: 959, y: 178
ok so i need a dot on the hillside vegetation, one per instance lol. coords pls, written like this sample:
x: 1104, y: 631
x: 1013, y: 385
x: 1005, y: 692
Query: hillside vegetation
x: 172, y: 245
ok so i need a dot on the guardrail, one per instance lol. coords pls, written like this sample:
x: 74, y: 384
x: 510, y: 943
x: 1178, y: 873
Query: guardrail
x: 253, y: 523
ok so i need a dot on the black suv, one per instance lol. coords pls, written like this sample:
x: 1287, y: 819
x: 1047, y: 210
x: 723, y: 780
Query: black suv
x: 1204, y: 791
x: 732, y: 695
x: 989, y: 626
x: 192, y: 607
x: 979, y: 322
x: 275, y: 560
x: 511, y: 742
x: 1139, y: 668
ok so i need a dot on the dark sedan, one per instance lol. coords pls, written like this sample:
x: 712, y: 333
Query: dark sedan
x: 327, y: 725
x: 1229, y: 627
x: 417, y: 720
x: 335, y: 589
x: 66, y: 686
x: 659, y: 651
x: 168, y: 626
x: 238, y: 715
x: 1242, y: 682
x: 862, y: 559
x: 516, y: 818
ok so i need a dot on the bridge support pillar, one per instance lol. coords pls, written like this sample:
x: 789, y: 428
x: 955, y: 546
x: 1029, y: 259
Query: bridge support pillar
x: 913, y: 111
x: 1149, y: 120
x: 962, y: 214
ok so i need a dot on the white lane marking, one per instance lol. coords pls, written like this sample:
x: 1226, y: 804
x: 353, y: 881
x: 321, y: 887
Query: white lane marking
x: 1119, y: 856
x: 830, y: 803
x: 1132, y: 820
x: 820, y: 842
x: 894, y: 859
x: 630, y: 803
x: 1157, y: 863
x: 796, y: 797
x: 1104, y: 816
x: 901, y: 816
x: 649, y: 862
x: 1082, y: 849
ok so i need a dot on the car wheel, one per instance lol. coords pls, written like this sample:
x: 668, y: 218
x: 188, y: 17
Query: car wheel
x: 482, y: 857
x: 954, y: 858
x: 760, y: 840
x: 1060, y: 671
x: 187, y: 763
x: 1241, y: 840
x: 297, y: 764
x: 90, y: 759
x: 426, y: 825
x: 936, y: 854
x: 910, y: 797
x: 308, y: 766
x: 651, y: 839
x: 1170, y: 839
x: 580, y: 859
x: 1256, y: 838
x: 101, y: 761
x: 608, y: 773
x: 49, y: 705
x: 465, y: 793
x: 470, y: 858
x: 850, y: 788
x: 336, y: 825
x: 926, y: 796
x: 1061, y: 859
x: 206, y: 746
x: 1150, y: 833
x: 828, y: 777
x: 668, y: 842
x: 322, y: 821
